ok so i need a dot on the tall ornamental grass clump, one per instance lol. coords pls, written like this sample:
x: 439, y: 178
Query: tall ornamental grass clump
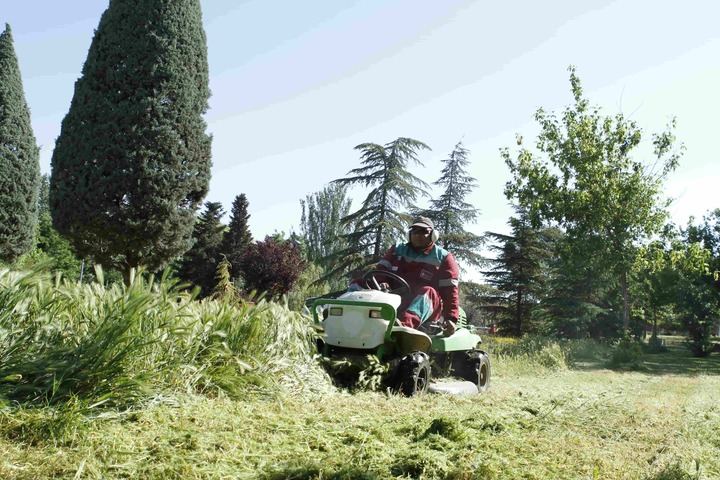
x: 528, y: 354
x: 117, y: 344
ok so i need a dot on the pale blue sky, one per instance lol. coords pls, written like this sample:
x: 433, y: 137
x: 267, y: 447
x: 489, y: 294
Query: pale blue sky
x: 296, y: 85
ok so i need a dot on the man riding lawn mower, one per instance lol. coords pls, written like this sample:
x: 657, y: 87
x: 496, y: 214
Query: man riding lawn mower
x: 406, y: 312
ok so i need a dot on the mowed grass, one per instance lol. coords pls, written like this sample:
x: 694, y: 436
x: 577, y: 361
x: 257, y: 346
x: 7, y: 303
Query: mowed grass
x: 542, y: 419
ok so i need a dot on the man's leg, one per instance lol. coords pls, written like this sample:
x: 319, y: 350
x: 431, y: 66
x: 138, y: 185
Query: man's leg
x: 426, y: 306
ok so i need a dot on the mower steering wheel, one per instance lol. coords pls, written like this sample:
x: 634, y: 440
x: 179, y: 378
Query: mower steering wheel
x: 372, y: 283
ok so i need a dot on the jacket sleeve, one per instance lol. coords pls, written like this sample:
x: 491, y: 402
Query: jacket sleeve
x: 449, y: 287
x: 387, y: 261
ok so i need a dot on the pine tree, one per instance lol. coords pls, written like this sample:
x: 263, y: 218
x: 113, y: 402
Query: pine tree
x: 381, y: 219
x: 450, y: 212
x: 200, y: 263
x: 224, y: 288
x: 19, y: 159
x: 132, y: 162
x: 520, y: 271
x: 237, y: 236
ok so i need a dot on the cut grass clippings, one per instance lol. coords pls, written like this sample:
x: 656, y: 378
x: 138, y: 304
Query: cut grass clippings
x: 561, y: 424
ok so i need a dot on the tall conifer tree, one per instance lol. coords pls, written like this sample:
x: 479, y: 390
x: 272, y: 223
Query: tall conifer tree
x: 132, y: 162
x: 451, y: 211
x: 519, y: 273
x: 19, y: 159
x: 200, y: 263
x: 381, y: 220
x: 237, y: 237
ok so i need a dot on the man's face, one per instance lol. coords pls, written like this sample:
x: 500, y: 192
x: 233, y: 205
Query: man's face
x: 420, y: 237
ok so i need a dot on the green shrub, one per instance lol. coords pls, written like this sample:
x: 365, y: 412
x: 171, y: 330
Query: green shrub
x: 626, y: 353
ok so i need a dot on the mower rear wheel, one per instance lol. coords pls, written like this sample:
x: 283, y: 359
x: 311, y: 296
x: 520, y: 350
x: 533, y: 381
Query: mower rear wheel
x: 413, y: 374
x: 475, y: 367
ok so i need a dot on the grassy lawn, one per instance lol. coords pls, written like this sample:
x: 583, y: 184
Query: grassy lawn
x: 659, y: 422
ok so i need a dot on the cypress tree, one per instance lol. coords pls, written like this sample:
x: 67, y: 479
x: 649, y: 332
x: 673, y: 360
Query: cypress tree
x: 19, y: 159
x: 237, y: 237
x: 200, y: 263
x: 132, y: 163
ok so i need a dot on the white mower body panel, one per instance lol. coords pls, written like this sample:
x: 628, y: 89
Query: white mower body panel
x: 352, y: 326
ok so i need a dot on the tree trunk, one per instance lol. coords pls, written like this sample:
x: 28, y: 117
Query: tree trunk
x: 518, y: 313
x: 626, y: 301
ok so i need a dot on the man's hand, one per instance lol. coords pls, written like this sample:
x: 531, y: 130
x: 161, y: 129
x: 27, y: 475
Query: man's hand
x: 384, y: 286
x: 449, y: 326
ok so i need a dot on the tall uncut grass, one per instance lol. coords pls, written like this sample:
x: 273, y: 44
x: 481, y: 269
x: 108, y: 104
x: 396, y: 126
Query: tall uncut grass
x: 517, y: 356
x: 116, y: 345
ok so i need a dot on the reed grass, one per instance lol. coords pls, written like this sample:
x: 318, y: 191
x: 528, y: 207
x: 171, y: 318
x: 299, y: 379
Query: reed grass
x: 116, y: 345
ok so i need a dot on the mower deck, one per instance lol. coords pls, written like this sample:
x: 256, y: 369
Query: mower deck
x: 452, y: 387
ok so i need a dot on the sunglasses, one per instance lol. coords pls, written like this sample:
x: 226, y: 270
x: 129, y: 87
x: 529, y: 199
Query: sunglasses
x: 424, y: 231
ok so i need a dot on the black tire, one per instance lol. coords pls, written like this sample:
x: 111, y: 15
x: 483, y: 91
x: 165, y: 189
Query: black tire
x: 413, y: 374
x: 475, y: 367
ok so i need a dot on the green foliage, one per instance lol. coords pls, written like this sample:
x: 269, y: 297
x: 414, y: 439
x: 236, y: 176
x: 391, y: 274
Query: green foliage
x: 19, y: 159
x: 473, y: 298
x: 237, y: 236
x: 119, y: 345
x: 224, y: 288
x: 588, y: 183
x: 699, y: 310
x: 520, y: 273
x: 381, y: 220
x: 450, y: 212
x: 200, y: 263
x: 673, y: 274
x: 699, y: 302
x: 322, y: 229
x: 132, y: 162
x: 626, y: 353
x: 51, y: 249
x: 307, y: 286
x: 541, y: 353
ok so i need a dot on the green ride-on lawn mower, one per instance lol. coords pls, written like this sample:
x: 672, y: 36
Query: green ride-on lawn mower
x: 362, y: 323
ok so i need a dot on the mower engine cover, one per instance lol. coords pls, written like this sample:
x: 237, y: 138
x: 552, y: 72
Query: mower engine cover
x: 359, y: 319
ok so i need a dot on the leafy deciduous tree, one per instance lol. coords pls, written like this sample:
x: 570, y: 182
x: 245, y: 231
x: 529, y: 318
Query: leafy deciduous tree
x: 19, y: 159
x: 589, y: 185
x: 132, y: 162
x: 272, y: 266
x: 320, y: 224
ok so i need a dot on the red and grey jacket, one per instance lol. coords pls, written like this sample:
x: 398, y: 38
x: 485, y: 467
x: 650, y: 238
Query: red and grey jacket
x: 434, y: 266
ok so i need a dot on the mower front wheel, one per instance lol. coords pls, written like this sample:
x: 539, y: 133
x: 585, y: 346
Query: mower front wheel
x: 475, y: 367
x: 413, y: 374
